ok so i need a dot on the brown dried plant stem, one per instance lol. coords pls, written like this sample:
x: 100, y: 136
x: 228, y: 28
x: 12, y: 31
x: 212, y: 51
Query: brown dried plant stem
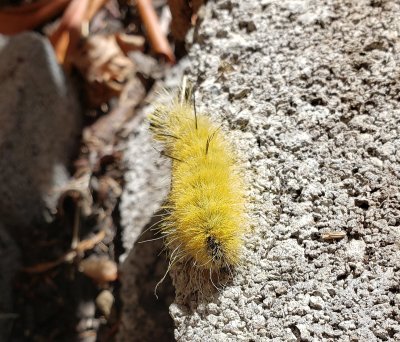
x: 70, y: 255
x: 152, y: 25
x: 66, y: 37
x: 27, y: 17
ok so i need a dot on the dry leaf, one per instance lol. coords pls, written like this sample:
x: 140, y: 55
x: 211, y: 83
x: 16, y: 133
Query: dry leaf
x: 104, y: 66
x: 108, y: 192
x: 130, y: 42
x: 102, y: 132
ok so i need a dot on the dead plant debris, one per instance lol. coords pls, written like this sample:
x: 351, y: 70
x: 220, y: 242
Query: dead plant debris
x: 114, y: 51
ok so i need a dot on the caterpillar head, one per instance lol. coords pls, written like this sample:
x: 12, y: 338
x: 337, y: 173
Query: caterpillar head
x: 219, y: 252
x: 214, y: 249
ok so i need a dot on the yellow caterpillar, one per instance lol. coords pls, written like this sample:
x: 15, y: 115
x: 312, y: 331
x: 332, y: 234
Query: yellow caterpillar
x: 205, y: 218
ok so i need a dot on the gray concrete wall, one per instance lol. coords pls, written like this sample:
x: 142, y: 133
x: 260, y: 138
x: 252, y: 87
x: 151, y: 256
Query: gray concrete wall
x: 313, y: 106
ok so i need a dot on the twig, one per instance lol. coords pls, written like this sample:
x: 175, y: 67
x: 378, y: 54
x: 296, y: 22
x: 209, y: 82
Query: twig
x: 75, y: 228
x: 330, y: 236
x: 66, y: 37
x: 27, y: 17
x: 151, y: 23
x: 45, y: 266
x: 94, y: 6
x: 70, y: 255
x: 90, y: 243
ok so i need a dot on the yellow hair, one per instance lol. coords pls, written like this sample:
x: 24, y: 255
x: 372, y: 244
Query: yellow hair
x: 205, y: 208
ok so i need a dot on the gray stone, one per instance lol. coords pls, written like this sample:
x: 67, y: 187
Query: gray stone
x: 39, y: 129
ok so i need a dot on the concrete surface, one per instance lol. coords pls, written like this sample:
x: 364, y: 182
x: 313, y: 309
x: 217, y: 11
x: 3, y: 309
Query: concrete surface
x: 39, y: 126
x: 145, y: 317
x: 313, y: 106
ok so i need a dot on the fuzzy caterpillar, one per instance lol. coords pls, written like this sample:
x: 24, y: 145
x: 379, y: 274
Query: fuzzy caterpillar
x: 205, y: 218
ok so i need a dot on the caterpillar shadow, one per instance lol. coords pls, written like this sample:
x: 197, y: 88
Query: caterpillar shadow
x: 146, y: 317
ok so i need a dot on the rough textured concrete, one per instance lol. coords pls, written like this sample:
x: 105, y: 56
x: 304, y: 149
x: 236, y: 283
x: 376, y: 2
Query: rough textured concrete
x: 313, y: 106
x: 147, y: 185
x: 39, y: 125
x: 144, y: 317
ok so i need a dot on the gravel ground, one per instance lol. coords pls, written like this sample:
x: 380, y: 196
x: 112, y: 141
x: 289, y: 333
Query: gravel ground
x: 312, y: 104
